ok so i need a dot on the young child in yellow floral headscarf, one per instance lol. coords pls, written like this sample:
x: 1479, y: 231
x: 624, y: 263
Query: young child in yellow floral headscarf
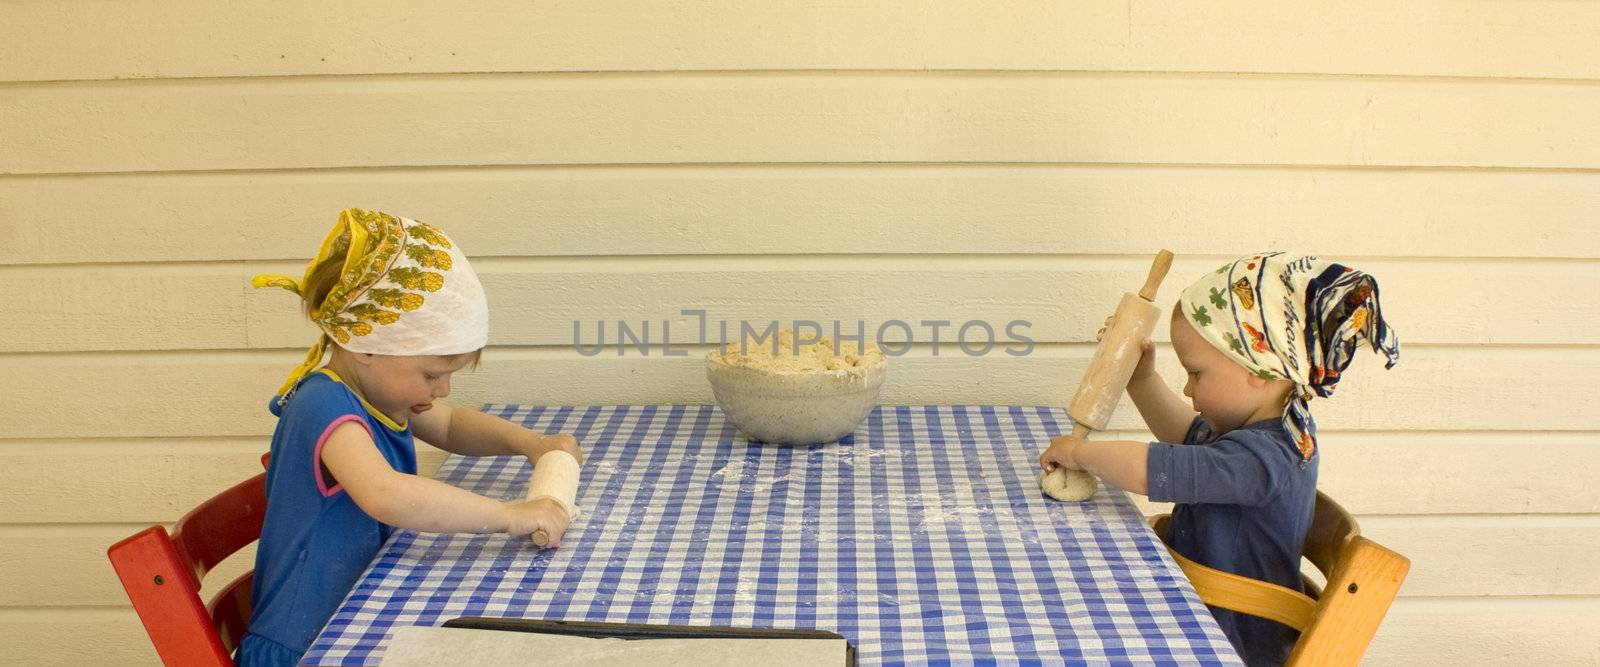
x: 1259, y: 337
x: 401, y: 310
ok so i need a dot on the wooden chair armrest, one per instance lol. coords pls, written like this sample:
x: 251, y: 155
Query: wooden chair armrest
x: 1248, y: 596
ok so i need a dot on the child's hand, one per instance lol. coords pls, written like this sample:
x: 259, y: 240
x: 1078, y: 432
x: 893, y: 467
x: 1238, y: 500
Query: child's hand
x: 1146, y: 367
x: 1059, y: 454
x: 550, y: 443
x: 1147, y: 353
x: 542, y: 514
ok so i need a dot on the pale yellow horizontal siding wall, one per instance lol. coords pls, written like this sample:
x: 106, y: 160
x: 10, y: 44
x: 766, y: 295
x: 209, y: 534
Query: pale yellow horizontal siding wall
x: 781, y: 160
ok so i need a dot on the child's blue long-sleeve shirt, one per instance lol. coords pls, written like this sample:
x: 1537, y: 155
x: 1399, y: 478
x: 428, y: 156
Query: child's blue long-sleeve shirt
x: 1244, y: 506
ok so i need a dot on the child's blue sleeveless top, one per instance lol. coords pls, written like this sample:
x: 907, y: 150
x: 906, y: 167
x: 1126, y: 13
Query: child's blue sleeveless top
x: 316, y: 542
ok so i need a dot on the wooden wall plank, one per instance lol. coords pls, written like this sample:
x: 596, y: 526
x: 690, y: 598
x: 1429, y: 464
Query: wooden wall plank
x: 72, y: 40
x: 719, y: 118
x: 1467, y: 473
x: 1467, y: 556
x: 789, y: 209
x: 74, y: 637
x: 1489, y: 632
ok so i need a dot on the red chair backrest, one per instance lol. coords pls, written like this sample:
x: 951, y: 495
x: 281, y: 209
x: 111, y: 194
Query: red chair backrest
x: 162, y: 576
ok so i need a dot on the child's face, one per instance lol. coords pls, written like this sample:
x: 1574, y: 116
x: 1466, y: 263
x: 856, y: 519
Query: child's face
x: 404, y: 386
x: 1226, y: 394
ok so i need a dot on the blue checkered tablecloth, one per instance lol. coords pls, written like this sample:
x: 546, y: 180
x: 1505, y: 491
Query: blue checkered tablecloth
x: 923, y: 537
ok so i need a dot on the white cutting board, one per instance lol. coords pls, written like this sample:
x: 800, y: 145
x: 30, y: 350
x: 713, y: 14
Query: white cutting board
x: 419, y: 646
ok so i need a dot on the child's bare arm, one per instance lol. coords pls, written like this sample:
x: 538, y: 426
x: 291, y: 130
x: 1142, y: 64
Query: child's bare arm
x: 474, y: 433
x: 419, y: 503
x: 1121, y: 462
x: 1166, y: 413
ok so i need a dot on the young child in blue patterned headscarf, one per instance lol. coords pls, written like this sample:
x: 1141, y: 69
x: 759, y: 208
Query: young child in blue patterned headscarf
x: 1259, y: 338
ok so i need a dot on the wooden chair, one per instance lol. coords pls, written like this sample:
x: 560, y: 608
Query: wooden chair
x: 162, y: 575
x: 1336, y: 623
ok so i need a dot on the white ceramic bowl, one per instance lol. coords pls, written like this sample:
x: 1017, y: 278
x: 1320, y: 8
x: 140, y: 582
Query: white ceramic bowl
x: 795, y: 408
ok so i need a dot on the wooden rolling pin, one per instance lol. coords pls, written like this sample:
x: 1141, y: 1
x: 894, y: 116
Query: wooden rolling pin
x: 555, y: 476
x: 1118, y: 353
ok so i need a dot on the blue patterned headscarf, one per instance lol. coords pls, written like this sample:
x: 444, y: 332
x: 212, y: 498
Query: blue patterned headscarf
x: 1291, y: 317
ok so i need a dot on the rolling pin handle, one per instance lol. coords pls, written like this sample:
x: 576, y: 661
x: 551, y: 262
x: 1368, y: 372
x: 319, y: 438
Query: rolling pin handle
x: 1158, y: 272
x: 541, y: 539
x: 1080, y: 431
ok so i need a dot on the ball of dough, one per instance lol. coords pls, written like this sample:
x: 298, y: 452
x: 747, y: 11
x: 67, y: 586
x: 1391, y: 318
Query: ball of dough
x: 1064, y: 484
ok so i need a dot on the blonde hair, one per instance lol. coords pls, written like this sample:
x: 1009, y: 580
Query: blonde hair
x: 319, y: 282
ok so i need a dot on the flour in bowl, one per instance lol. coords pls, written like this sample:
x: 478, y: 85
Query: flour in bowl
x: 853, y: 356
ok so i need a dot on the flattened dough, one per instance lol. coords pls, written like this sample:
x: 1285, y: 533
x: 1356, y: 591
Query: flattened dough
x: 1071, y: 485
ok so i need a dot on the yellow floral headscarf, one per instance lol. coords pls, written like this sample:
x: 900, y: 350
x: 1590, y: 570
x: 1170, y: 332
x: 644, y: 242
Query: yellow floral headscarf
x: 404, y: 290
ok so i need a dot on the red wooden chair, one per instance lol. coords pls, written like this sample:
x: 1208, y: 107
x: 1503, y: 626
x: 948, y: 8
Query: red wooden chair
x: 162, y: 575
